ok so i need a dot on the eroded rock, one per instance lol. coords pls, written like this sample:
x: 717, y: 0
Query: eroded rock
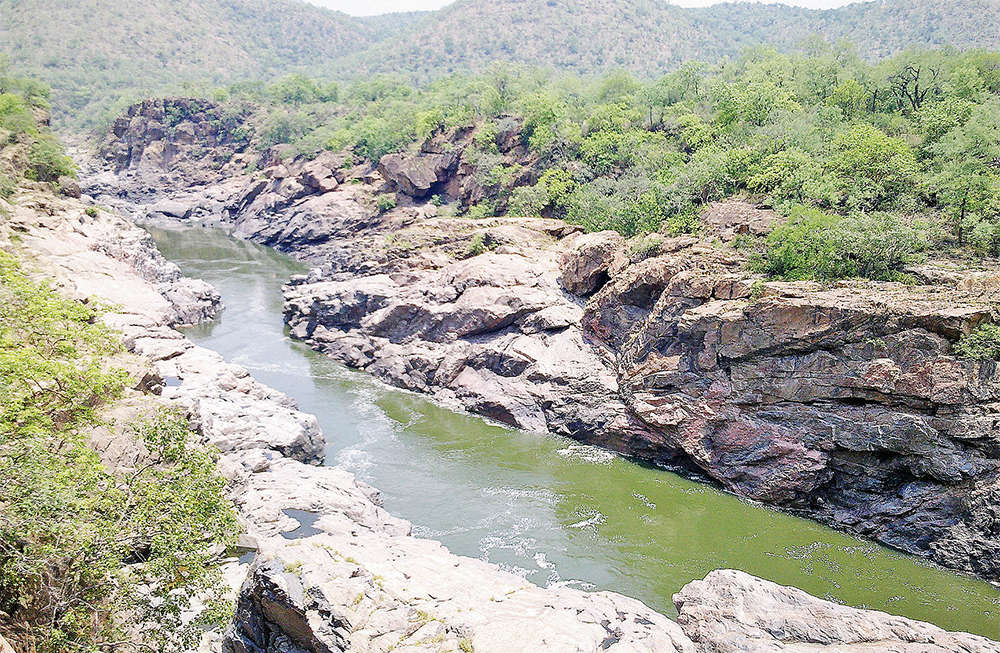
x: 584, y: 264
x: 733, y: 612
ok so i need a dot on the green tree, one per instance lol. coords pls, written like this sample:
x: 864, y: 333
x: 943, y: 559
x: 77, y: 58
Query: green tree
x: 967, y: 178
x: 871, y: 169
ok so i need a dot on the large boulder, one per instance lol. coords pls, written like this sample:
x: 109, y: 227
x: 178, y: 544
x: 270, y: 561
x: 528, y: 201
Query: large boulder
x: 733, y: 612
x: 584, y: 266
x: 275, y: 613
x: 416, y: 175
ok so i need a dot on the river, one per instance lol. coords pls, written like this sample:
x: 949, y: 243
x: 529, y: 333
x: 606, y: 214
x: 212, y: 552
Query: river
x: 542, y: 506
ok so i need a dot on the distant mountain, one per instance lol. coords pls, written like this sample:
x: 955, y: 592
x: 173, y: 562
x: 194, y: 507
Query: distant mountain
x: 651, y: 37
x: 88, y: 48
x: 93, y: 51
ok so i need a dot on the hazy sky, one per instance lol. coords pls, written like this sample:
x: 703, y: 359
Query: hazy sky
x: 370, y: 7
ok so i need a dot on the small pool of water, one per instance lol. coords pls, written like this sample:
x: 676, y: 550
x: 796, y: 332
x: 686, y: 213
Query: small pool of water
x: 545, y: 507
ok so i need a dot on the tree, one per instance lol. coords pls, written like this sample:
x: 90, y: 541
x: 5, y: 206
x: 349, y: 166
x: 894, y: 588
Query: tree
x: 871, y: 169
x: 967, y: 179
x: 912, y: 85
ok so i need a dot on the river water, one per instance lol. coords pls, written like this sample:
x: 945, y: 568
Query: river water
x: 542, y: 506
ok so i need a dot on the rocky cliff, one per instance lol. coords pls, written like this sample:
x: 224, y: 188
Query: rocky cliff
x: 324, y: 568
x: 843, y: 402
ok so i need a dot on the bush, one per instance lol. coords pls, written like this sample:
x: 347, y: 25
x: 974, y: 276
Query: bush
x: 479, y: 211
x: 7, y: 186
x: 820, y: 246
x: 476, y: 246
x: 386, y: 202
x: 88, y: 557
x: 48, y: 161
x: 982, y: 344
x: 528, y: 200
x: 872, y: 170
x: 15, y: 115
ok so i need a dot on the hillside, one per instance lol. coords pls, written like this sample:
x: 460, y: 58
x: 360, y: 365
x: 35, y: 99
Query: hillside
x: 93, y: 50
x: 650, y: 37
x: 99, y: 53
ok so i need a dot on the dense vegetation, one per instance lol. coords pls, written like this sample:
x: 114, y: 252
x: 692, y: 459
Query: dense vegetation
x: 32, y: 150
x: 652, y: 37
x: 872, y: 163
x: 91, y: 559
x: 161, y: 46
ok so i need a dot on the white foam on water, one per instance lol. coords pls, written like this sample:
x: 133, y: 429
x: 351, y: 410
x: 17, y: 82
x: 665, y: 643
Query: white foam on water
x: 354, y: 460
x: 645, y: 500
x: 596, y: 519
x: 587, y: 453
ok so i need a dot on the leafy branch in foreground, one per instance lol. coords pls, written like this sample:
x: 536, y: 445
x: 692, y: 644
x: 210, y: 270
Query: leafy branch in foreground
x: 92, y: 559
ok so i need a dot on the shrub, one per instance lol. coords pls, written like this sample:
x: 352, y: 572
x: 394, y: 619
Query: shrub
x: 872, y: 170
x: 48, y: 161
x: 644, y: 247
x: 476, y: 246
x: 817, y: 245
x: 528, y: 200
x: 479, y: 211
x: 486, y: 137
x: 982, y: 344
x: 7, y: 186
x: 386, y: 202
x: 15, y: 115
x: 88, y: 557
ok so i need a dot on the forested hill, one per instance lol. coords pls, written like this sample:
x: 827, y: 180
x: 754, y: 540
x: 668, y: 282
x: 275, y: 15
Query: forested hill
x: 650, y: 36
x: 90, y: 50
x: 94, y: 52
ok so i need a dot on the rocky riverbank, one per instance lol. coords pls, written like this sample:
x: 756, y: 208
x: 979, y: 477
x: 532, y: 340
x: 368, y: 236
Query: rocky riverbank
x: 324, y: 567
x: 845, y: 403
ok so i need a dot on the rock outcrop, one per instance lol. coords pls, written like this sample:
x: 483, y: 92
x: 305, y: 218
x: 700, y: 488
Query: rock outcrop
x: 732, y: 612
x: 585, y: 263
x: 417, y: 175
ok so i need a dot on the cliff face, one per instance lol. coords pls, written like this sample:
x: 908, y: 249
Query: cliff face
x: 842, y: 402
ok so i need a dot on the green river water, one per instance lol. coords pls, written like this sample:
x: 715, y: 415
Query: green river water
x: 545, y: 507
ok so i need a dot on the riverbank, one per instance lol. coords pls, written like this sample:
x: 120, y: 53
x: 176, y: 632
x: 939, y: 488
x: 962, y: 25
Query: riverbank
x: 346, y: 575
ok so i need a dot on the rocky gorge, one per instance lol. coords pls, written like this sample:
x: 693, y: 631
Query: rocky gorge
x: 845, y: 403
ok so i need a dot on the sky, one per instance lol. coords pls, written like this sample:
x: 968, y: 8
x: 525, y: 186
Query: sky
x: 372, y: 7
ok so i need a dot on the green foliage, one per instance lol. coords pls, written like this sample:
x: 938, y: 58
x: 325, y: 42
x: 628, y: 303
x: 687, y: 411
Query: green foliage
x: 983, y: 344
x: 479, y: 211
x: 87, y: 556
x: 16, y: 116
x: 529, y: 200
x: 385, y: 202
x: 821, y: 246
x: 966, y: 177
x: 872, y: 170
x: 48, y: 161
x: 477, y: 245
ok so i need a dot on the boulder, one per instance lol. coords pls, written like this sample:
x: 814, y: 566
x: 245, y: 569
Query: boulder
x: 69, y: 187
x: 584, y: 266
x: 170, y: 209
x: 416, y: 175
x: 274, y: 614
x: 733, y: 612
